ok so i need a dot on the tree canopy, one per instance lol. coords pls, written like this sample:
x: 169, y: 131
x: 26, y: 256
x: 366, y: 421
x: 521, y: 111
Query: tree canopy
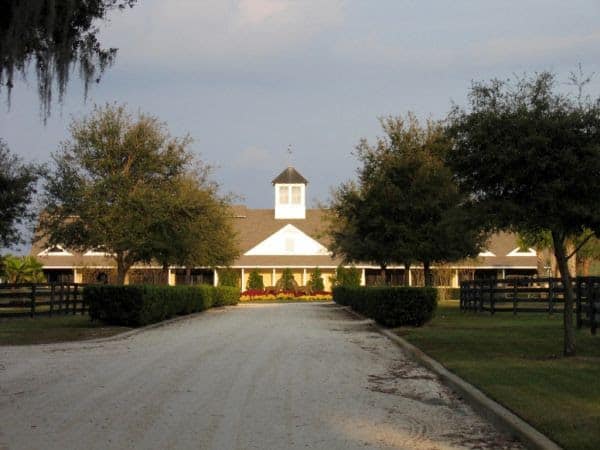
x: 530, y: 159
x: 405, y: 207
x: 56, y: 36
x: 124, y: 184
x: 17, y: 189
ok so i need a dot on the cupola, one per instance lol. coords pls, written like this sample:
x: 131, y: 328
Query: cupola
x: 290, y: 195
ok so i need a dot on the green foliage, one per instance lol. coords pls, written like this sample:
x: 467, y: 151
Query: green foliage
x: 346, y: 277
x: 287, y: 282
x: 123, y: 184
x: 17, y: 189
x: 255, y: 280
x: 315, y: 283
x: 226, y: 296
x: 390, y: 306
x: 229, y: 277
x: 142, y: 305
x: 57, y: 36
x: 529, y: 158
x: 406, y: 206
x: 23, y: 269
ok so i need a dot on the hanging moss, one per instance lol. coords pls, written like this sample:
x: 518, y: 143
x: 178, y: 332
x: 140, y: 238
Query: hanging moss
x: 56, y: 36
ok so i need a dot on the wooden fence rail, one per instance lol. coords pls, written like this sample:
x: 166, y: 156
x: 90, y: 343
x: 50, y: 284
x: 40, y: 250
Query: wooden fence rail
x: 533, y: 295
x: 22, y: 300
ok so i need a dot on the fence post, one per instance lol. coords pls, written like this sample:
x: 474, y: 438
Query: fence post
x: 578, y: 318
x: 550, y: 296
x: 51, y: 299
x: 61, y: 298
x: 480, y: 290
x: 593, y: 310
x: 515, y: 290
x: 492, y: 299
x: 32, y: 297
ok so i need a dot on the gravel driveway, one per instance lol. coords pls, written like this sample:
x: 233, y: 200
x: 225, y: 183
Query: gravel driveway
x: 248, y: 377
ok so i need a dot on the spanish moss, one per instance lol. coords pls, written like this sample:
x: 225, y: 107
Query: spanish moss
x: 56, y: 36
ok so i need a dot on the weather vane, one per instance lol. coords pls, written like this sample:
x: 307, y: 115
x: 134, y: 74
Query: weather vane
x: 289, y: 153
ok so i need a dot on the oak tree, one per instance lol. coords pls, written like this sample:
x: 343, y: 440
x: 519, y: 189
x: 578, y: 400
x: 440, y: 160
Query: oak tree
x: 529, y: 157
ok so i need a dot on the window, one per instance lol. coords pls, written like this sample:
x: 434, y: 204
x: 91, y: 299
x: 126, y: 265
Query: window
x: 284, y: 195
x: 296, y: 195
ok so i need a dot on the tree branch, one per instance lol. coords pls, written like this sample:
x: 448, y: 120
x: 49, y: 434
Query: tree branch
x: 581, y: 244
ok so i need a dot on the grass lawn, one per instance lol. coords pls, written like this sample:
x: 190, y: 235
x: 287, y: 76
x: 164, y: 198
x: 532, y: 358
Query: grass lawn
x: 43, y: 330
x: 517, y: 361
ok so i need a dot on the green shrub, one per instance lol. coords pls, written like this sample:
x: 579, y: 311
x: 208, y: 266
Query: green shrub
x: 346, y: 277
x: 226, y: 295
x: 390, y: 306
x: 287, y: 282
x: 229, y: 277
x: 141, y: 305
x: 255, y: 280
x: 315, y: 283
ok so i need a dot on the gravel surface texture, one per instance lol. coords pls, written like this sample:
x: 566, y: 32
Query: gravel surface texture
x: 273, y: 376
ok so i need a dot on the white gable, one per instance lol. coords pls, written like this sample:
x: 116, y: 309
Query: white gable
x: 518, y: 252
x: 486, y: 253
x: 56, y: 250
x: 288, y: 241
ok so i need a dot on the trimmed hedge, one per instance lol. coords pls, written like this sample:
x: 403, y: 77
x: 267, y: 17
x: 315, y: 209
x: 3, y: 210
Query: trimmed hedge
x: 139, y: 305
x: 390, y: 306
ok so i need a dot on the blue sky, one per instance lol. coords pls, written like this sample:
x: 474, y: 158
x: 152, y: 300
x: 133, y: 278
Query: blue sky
x: 247, y: 78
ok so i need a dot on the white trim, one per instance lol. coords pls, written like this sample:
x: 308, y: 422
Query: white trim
x: 47, y: 252
x: 517, y: 252
x: 289, y: 241
x: 487, y: 254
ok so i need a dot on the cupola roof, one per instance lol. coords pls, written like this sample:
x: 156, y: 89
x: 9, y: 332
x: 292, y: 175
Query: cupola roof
x: 290, y: 176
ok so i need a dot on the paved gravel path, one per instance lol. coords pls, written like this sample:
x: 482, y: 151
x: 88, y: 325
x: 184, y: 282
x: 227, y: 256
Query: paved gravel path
x: 248, y: 377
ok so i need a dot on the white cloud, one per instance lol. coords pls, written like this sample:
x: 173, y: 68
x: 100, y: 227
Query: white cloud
x: 190, y: 32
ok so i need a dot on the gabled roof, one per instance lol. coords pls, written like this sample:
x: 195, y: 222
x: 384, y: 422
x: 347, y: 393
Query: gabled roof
x: 290, y: 176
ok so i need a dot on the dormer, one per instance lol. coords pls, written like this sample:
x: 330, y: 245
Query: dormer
x: 290, y: 195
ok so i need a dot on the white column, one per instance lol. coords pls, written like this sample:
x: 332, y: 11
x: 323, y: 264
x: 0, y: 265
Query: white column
x: 363, y: 278
x: 77, y: 276
x: 503, y: 274
x: 273, y: 282
x: 171, y: 278
x: 304, y: 277
x: 455, y: 282
x: 243, y: 280
x: 409, y: 277
x: 216, y: 277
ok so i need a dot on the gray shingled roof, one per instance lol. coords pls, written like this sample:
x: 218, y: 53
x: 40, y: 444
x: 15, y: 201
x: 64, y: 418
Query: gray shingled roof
x: 290, y: 176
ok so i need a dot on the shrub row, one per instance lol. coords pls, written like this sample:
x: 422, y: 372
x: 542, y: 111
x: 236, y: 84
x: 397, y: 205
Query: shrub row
x: 390, y: 306
x: 141, y: 305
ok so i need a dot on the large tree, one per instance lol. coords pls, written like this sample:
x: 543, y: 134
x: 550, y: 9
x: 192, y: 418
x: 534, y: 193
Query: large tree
x: 123, y: 184
x: 17, y: 189
x: 530, y: 158
x: 56, y: 36
x: 405, y: 207
x: 193, y: 227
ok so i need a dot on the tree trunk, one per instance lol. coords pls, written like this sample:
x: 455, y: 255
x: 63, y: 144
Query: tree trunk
x: 563, y: 267
x: 383, y: 274
x: 121, y: 273
x: 165, y: 273
x: 406, y: 274
x: 122, y: 269
x: 427, y: 273
x: 188, y: 276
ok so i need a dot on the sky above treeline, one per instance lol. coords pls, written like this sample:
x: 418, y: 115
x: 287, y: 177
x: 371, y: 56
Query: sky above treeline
x: 247, y: 78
